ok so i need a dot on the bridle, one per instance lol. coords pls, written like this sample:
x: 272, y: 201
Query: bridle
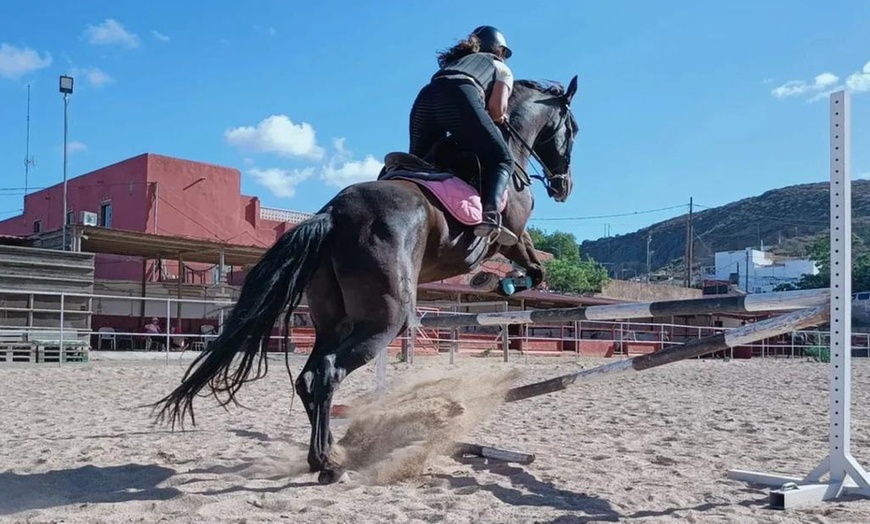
x: 521, y: 176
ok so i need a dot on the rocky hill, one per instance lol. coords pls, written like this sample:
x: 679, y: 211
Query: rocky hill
x: 785, y: 219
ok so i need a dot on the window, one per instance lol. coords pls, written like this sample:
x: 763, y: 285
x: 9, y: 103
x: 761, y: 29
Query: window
x: 37, y: 226
x: 69, y: 217
x: 106, y: 214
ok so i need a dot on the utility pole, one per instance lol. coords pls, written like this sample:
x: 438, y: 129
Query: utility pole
x: 689, y: 245
x: 648, y: 259
x: 746, y: 278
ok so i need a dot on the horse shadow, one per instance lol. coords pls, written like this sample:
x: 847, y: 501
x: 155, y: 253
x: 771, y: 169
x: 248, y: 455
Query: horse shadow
x: 582, y: 508
x: 527, y: 490
x: 87, y: 484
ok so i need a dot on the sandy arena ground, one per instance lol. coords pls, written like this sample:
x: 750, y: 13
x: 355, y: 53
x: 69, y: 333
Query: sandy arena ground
x: 652, y: 447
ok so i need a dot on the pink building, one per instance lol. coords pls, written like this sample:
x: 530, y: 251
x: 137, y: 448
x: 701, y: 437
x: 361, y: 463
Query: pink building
x: 155, y: 194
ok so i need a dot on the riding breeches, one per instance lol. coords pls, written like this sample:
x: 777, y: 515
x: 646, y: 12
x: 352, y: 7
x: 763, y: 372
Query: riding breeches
x: 457, y: 106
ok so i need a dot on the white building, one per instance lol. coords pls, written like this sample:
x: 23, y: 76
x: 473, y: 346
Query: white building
x: 757, y: 271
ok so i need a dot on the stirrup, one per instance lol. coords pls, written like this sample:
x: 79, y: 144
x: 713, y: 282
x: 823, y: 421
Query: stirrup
x: 496, y: 234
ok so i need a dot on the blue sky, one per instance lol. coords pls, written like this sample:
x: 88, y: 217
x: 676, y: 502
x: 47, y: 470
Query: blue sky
x: 715, y: 101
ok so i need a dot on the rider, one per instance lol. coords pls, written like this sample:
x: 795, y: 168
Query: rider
x: 468, y: 97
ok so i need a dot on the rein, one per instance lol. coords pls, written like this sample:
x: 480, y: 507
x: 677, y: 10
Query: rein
x: 522, y: 174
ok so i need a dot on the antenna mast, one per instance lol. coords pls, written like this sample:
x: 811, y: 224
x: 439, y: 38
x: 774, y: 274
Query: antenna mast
x: 28, y: 160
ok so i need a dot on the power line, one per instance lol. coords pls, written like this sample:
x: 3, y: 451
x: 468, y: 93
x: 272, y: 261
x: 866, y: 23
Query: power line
x: 594, y: 217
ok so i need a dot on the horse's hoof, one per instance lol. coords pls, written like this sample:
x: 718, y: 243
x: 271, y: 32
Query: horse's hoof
x: 331, y: 476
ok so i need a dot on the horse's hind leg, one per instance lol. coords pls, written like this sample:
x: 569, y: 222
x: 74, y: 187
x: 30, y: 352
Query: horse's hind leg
x: 378, y: 303
x: 331, y: 325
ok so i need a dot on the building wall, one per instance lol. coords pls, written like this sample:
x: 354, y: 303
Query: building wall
x: 764, y: 271
x: 123, y: 184
x: 155, y: 194
x: 200, y: 200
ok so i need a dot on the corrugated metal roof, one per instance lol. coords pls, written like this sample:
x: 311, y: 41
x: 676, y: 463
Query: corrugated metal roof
x: 14, y: 240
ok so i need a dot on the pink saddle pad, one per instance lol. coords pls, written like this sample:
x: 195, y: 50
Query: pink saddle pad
x: 458, y: 197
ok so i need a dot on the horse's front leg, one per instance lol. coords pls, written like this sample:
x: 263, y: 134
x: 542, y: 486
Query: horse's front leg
x: 523, y: 253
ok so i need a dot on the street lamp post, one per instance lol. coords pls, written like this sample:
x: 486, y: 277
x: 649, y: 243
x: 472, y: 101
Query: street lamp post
x: 66, y: 87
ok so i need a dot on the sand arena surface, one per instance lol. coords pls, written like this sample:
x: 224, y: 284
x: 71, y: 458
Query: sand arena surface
x: 652, y: 447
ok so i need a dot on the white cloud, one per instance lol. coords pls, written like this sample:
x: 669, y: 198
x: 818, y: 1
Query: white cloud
x: 111, y: 32
x: 277, y: 134
x: 824, y: 84
x: 351, y: 172
x: 863, y: 176
x: 94, y: 75
x: 74, y: 146
x: 280, y: 182
x: 825, y: 79
x: 16, y: 62
x: 799, y: 87
x: 160, y: 36
x: 790, y: 88
x: 860, y: 81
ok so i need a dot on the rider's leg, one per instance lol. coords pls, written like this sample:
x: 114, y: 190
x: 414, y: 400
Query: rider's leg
x: 461, y: 110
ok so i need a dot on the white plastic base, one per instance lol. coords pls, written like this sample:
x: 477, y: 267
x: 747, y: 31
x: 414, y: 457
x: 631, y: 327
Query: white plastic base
x: 792, y: 492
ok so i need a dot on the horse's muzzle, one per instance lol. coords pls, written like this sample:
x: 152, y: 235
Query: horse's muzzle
x: 560, y: 186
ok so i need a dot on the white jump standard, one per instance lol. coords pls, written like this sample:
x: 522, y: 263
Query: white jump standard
x: 845, y: 475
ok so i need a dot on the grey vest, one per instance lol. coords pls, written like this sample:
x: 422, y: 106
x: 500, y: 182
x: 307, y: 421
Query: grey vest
x: 477, y: 66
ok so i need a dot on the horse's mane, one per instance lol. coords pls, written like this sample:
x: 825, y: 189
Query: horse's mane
x: 547, y: 87
x: 523, y: 89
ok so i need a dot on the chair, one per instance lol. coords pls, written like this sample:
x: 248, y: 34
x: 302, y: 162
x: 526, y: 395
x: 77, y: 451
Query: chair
x: 207, y: 333
x: 107, y: 333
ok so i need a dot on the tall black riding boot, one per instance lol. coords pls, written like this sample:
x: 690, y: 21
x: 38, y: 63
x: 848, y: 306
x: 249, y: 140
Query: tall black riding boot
x: 494, y: 186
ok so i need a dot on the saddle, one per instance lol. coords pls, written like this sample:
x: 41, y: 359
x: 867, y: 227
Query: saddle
x: 448, y: 174
x: 446, y: 159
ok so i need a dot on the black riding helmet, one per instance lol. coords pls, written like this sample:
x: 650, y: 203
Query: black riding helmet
x: 491, y: 39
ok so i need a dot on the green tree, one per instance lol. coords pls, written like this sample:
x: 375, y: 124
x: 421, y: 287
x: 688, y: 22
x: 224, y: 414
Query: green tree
x: 568, y: 272
x: 562, y: 245
x: 820, y: 253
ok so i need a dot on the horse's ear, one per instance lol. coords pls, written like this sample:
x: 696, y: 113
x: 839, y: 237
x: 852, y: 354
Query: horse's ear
x: 572, y: 89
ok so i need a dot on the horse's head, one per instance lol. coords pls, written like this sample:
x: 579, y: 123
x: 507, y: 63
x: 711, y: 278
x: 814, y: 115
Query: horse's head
x: 542, y: 115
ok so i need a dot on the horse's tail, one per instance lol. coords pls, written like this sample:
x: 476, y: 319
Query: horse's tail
x: 277, y: 281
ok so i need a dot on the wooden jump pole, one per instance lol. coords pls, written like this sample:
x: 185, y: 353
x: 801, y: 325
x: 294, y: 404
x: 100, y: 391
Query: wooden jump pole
x: 504, y: 455
x: 761, y: 302
x: 743, y: 335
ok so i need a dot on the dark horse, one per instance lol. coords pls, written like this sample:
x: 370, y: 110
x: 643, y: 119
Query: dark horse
x: 359, y: 260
